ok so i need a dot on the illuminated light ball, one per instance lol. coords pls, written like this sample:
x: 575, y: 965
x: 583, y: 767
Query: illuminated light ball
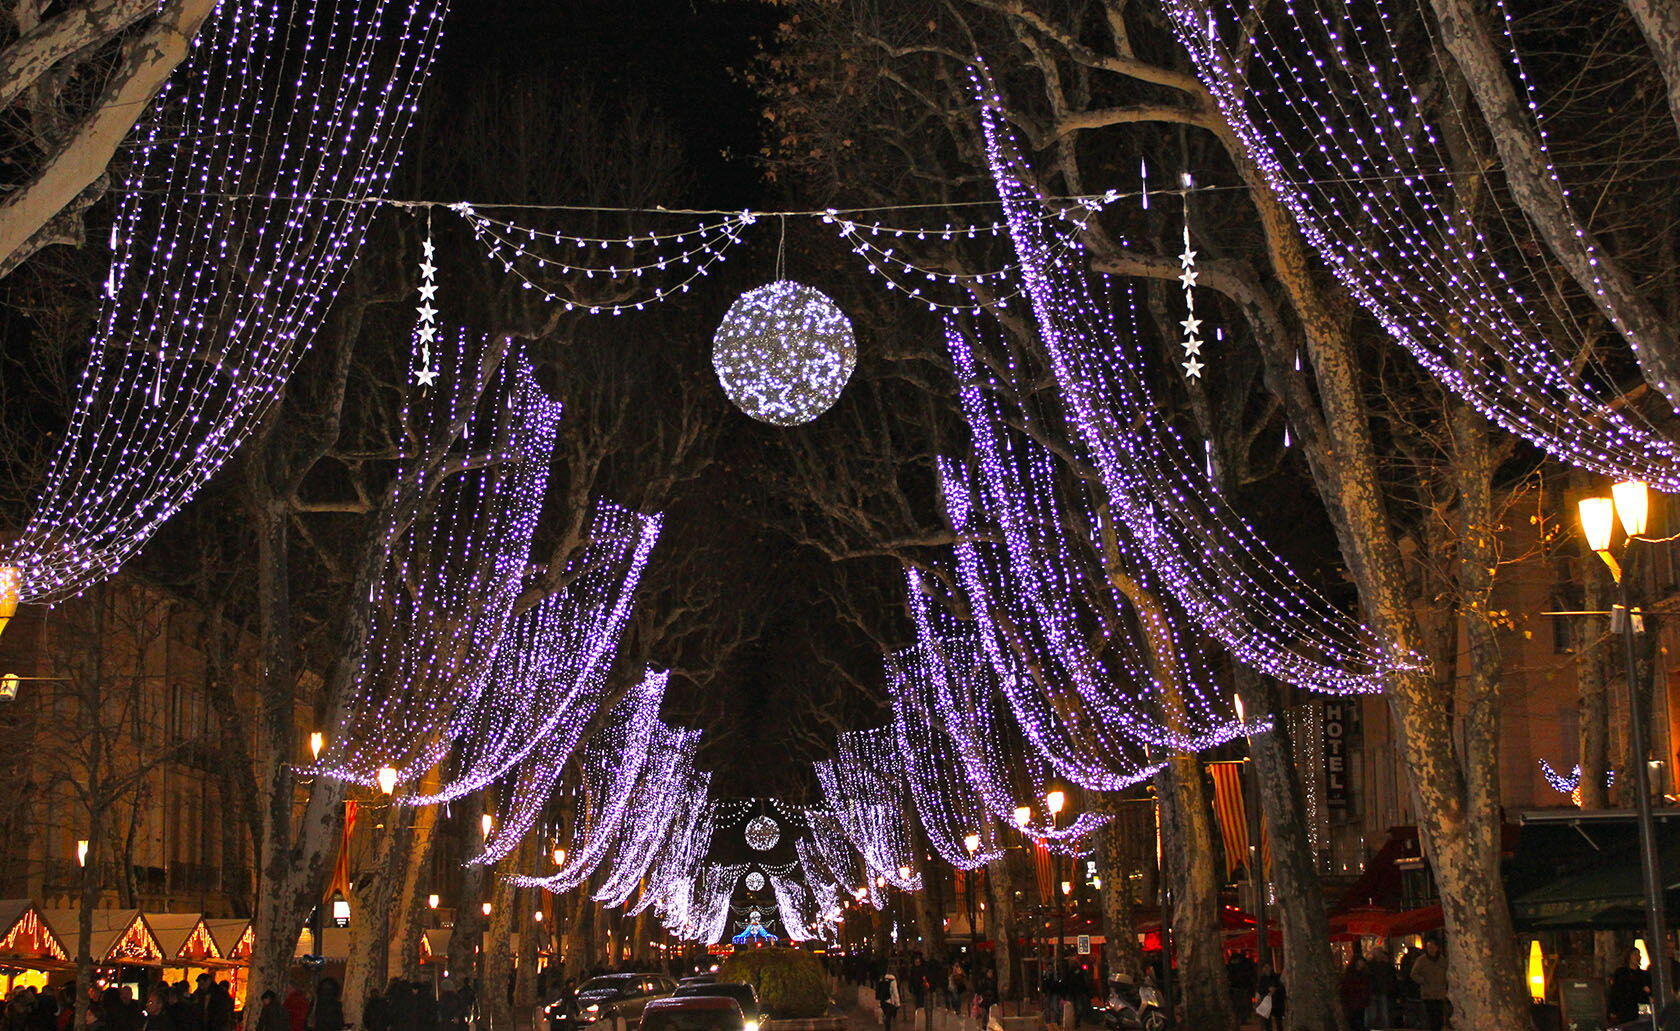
x: 784, y: 352
x: 762, y: 833
x: 755, y: 881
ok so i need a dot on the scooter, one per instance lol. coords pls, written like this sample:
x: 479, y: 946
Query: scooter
x: 1134, y: 1009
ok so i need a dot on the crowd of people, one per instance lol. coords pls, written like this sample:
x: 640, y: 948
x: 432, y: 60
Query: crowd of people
x: 1377, y: 991
x: 177, y: 1006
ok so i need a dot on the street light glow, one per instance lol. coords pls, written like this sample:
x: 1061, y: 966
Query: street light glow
x: 1055, y: 801
x: 1633, y: 505
x: 387, y: 780
x: 1598, y: 522
x: 972, y: 843
x: 1023, y: 815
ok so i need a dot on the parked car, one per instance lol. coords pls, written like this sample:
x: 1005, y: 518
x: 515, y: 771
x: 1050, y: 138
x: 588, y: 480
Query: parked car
x: 697, y: 979
x: 745, y: 996
x: 693, y: 1013
x: 609, y: 997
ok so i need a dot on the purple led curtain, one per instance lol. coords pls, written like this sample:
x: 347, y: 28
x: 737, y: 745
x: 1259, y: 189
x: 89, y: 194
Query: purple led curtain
x: 867, y: 796
x: 828, y: 849
x: 1332, y: 118
x: 231, y: 239
x: 1001, y: 762
x: 548, y: 674
x: 1098, y: 677
x: 1215, y: 567
x: 669, y: 787
x: 946, y: 804
x: 612, y: 765
x: 446, y: 596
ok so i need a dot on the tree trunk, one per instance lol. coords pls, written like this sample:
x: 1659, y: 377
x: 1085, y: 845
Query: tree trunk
x: 1197, y: 937
x: 576, y: 939
x: 1490, y: 994
x: 1000, y: 925
x: 83, y: 158
x: 1310, y: 971
x: 1659, y: 20
x: 1470, y: 40
x: 373, y: 900
x: 525, y: 979
x: 412, y: 914
x: 89, y: 901
x: 1115, y: 866
x: 1592, y: 684
x: 468, y: 930
x: 80, y: 26
x: 499, y: 948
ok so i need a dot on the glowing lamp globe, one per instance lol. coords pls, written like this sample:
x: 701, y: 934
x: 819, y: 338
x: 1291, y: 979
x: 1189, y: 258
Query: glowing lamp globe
x: 784, y: 352
x: 755, y: 881
x: 762, y: 833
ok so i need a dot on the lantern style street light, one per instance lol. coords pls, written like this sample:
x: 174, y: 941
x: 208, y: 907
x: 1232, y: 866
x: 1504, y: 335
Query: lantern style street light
x: 1630, y: 504
x: 1023, y: 816
x: 387, y: 780
x: 317, y: 741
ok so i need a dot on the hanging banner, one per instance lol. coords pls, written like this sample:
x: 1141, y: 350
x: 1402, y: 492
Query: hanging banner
x: 1229, y: 813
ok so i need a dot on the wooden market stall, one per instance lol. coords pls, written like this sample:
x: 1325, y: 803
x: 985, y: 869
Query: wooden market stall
x: 29, y: 949
x: 188, y: 947
x: 234, y: 938
x: 122, y: 944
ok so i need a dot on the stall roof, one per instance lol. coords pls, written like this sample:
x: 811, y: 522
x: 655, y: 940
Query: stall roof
x: 183, y: 936
x: 233, y: 937
x: 26, y: 937
x: 119, y: 936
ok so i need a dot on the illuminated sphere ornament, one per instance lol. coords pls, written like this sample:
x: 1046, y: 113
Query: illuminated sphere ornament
x: 755, y: 881
x: 784, y: 352
x: 762, y: 833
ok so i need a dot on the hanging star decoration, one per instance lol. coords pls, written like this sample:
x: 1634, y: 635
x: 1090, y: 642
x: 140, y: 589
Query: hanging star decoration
x: 425, y: 330
x: 1193, y: 364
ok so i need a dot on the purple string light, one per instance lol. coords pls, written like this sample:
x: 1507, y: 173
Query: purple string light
x: 1214, y: 565
x: 1327, y: 111
x: 232, y: 237
x: 550, y: 670
x: 446, y: 597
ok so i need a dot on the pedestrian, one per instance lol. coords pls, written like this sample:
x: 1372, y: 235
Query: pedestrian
x: 218, y: 1011
x: 376, y: 1011
x: 327, y: 1014
x: 1239, y: 977
x: 157, y: 1012
x: 1354, y: 990
x: 271, y: 1015
x: 297, y: 1010
x: 886, y: 994
x: 1429, y: 973
x: 1384, y: 987
x: 1630, y: 987
x: 1273, y: 1001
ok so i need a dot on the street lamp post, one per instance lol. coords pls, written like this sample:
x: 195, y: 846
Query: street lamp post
x: 1630, y: 503
x: 1055, y: 800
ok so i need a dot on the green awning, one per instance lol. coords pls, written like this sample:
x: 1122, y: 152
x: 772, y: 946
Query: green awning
x: 1602, y: 898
